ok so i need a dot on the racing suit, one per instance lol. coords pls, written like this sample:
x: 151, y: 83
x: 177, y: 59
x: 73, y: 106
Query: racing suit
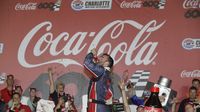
x: 99, y: 92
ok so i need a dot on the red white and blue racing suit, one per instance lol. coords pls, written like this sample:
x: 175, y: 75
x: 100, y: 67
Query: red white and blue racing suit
x: 99, y: 91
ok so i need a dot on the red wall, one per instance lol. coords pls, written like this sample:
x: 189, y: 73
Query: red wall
x: 138, y: 38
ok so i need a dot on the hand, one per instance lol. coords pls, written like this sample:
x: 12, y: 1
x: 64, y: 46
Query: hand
x: 15, y: 105
x: 125, y: 76
x: 197, y: 101
x: 57, y: 107
x: 121, y: 85
x: 175, y: 101
x: 50, y: 70
x: 60, y: 101
x: 130, y: 89
x: 94, y: 52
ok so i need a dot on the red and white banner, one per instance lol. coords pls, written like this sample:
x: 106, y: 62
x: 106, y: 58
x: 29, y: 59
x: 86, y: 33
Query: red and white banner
x: 159, y: 36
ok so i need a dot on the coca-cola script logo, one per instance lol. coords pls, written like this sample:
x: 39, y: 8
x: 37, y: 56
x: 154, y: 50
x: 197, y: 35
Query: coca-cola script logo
x: 44, y: 5
x: 132, y: 4
x: 193, y: 73
x: 26, y: 6
x: 191, y: 4
x: 140, y: 51
x: 158, y: 4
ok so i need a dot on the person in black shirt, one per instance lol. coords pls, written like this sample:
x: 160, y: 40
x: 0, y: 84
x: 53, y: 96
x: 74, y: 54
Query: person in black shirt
x: 55, y: 94
x: 192, y: 98
x: 196, y: 83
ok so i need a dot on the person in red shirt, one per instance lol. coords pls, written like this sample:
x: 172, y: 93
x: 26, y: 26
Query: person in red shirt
x: 17, y: 106
x: 6, y: 93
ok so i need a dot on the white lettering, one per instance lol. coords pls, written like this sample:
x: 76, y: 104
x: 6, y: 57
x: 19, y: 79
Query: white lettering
x: 133, y: 4
x: 141, y: 51
x: 193, y: 74
x: 37, y: 52
x: 28, y: 6
x: 191, y: 4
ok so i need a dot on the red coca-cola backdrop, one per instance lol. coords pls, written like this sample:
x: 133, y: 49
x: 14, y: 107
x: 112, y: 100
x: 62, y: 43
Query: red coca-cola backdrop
x: 159, y: 36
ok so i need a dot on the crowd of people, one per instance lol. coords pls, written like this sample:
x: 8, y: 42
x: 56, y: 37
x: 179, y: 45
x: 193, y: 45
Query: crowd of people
x: 100, y: 93
x: 12, y: 99
x: 190, y: 104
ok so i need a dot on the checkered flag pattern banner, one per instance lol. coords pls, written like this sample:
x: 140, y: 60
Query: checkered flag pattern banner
x: 161, y: 4
x: 140, y: 79
x: 57, y: 5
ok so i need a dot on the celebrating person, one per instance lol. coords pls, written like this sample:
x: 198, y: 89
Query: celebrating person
x: 124, y: 97
x: 124, y: 83
x: 59, y: 91
x: 100, y: 93
x: 6, y: 93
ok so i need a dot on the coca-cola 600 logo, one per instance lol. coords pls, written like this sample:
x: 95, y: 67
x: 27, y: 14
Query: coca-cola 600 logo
x: 43, y: 5
x: 187, y: 4
x: 193, y: 7
x: 192, y: 13
x: 26, y: 6
x: 190, y: 73
x: 140, y: 51
x: 50, y: 5
x: 157, y: 4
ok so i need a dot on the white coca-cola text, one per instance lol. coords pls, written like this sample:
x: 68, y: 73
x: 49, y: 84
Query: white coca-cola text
x: 140, y: 51
x: 26, y: 6
x: 132, y: 4
x: 192, y: 74
x: 191, y: 4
